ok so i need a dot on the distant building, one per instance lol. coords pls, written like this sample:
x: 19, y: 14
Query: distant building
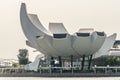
x: 4, y: 63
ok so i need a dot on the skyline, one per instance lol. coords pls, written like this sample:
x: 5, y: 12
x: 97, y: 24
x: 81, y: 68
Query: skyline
x: 74, y: 14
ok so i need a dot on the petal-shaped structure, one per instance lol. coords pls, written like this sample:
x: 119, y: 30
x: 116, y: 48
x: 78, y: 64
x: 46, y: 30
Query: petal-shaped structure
x: 60, y: 38
x: 82, y: 43
x: 98, y: 39
x: 57, y: 28
x: 87, y: 43
x: 107, y: 45
x: 63, y: 44
x: 29, y: 29
x: 45, y: 43
x: 34, y: 19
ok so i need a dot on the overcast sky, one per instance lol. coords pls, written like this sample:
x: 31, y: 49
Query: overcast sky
x: 102, y: 15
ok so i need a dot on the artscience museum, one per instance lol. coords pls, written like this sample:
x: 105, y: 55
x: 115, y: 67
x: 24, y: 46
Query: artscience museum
x: 60, y: 48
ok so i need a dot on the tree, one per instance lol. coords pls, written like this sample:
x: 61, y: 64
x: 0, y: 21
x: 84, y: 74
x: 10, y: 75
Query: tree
x: 108, y: 60
x: 23, y: 56
x: 113, y: 61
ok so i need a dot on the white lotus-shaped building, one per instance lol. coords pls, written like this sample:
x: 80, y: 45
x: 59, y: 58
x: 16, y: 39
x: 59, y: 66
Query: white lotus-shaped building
x: 58, y: 42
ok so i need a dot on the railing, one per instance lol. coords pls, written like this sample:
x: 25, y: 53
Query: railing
x: 59, y: 68
x: 96, y: 69
x: 106, y: 69
x: 11, y: 70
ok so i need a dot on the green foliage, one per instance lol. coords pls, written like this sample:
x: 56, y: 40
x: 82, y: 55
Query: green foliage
x: 23, y: 53
x: 113, y: 61
x: 23, y: 56
x: 109, y: 60
x: 15, y: 65
x: 23, y: 61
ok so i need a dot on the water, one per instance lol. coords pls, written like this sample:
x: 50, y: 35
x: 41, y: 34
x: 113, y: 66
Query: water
x: 41, y: 78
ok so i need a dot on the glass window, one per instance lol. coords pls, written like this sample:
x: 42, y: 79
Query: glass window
x: 59, y: 35
x: 100, y: 33
x: 83, y: 34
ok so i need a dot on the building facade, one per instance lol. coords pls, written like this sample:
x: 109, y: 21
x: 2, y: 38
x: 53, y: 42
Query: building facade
x: 62, y: 49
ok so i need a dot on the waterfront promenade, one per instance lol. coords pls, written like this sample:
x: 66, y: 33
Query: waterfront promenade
x: 97, y: 71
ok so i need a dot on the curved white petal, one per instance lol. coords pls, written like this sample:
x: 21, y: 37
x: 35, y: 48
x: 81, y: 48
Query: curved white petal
x: 45, y: 43
x: 34, y: 19
x: 97, y: 42
x: 109, y: 41
x: 29, y: 29
x: 82, y: 45
x: 87, y: 44
x: 57, y: 28
x: 64, y: 46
